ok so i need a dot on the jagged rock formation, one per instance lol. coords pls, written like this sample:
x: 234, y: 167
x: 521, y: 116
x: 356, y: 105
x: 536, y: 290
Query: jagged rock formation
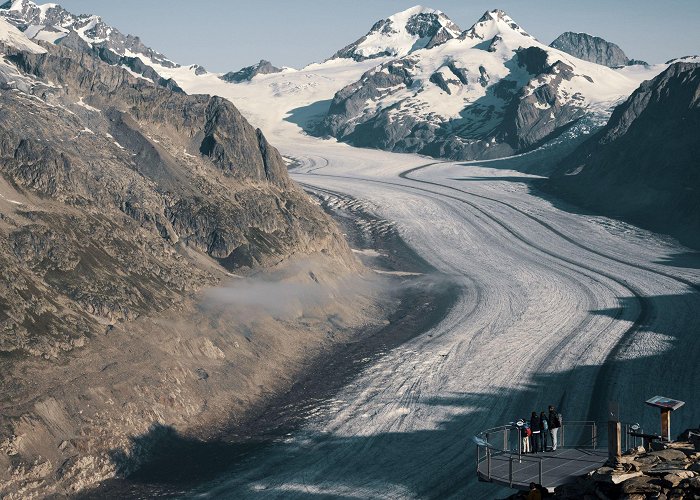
x: 592, y: 48
x: 491, y: 92
x: 249, y: 72
x: 643, y: 165
x: 401, y: 34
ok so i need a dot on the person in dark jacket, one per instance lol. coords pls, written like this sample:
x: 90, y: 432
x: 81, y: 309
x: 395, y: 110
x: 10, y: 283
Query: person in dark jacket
x: 544, y: 430
x: 554, y: 425
x: 535, y: 437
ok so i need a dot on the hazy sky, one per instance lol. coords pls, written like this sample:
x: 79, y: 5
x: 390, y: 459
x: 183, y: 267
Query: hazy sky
x: 224, y: 35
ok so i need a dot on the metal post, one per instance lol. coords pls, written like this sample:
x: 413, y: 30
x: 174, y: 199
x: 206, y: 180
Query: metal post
x: 505, y: 440
x: 520, y: 445
x: 562, y: 435
x: 510, y: 471
x: 488, y: 463
x: 541, y: 472
x: 595, y: 435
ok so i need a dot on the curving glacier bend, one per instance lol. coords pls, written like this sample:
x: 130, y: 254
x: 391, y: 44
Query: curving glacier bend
x: 555, y: 307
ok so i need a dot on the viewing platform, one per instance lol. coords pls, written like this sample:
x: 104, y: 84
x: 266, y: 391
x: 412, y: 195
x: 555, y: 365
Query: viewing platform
x: 499, y: 460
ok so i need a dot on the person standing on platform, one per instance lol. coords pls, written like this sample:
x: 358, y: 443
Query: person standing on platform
x: 535, y: 427
x: 544, y: 430
x: 554, y: 425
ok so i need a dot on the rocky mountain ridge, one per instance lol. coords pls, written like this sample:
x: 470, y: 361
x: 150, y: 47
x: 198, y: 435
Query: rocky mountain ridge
x: 593, y: 48
x: 121, y: 202
x: 490, y: 92
x: 643, y: 164
x: 249, y: 72
x: 88, y: 33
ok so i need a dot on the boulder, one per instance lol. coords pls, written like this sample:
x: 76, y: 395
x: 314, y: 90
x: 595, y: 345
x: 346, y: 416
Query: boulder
x: 641, y: 485
x: 621, y: 478
x: 669, y: 454
x: 675, y: 478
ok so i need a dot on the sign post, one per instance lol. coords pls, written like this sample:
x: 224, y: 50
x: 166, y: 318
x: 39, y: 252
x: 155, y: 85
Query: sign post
x: 614, y: 434
x: 666, y: 405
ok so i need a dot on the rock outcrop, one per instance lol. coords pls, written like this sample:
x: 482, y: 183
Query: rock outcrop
x: 668, y: 471
x: 643, y: 165
x: 249, y: 72
x: 592, y: 48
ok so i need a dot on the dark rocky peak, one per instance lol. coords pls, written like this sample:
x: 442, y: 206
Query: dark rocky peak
x: 592, y: 48
x: 677, y: 90
x: 643, y: 165
x: 249, y: 72
x: 533, y: 59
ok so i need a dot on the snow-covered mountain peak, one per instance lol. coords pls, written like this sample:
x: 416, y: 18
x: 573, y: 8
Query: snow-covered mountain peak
x: 52, y: 23
x: 9, y: 35
x: 493, y: 23
x: 401, y: 34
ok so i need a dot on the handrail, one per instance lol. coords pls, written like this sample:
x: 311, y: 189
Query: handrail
x: 499, y: 442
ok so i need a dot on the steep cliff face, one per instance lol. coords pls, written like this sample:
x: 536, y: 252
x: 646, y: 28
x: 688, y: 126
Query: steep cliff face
x: 643, y: 166
x: 592, y: 48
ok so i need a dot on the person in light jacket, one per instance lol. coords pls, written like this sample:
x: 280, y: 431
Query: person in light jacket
x: 555, y: 421
x: 535, y: 437
x: 544, y: 430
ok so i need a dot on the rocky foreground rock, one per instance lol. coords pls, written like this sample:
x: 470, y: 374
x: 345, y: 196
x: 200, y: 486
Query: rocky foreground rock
x: 665, y: 471
x: 670, y: 472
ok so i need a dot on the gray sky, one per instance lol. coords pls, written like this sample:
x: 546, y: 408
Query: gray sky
x: 224, y: 35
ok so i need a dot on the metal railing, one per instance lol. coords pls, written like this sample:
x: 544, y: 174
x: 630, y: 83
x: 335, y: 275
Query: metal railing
x: 506, y: 441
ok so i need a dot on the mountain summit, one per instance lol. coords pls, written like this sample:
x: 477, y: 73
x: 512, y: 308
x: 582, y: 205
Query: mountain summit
x: 492, y: 23
x: 592, y: 48
x: 401, y: 34
x: 492, y: 91
x: 52, y: 23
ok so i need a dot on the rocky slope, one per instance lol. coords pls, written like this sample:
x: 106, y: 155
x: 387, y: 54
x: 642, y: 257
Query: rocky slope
x: 121, y: 202
x: 490, y: 92
x: 592, y: 48
x: 401, y: 34
x: 643, y: 165
x: 249, y: 72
